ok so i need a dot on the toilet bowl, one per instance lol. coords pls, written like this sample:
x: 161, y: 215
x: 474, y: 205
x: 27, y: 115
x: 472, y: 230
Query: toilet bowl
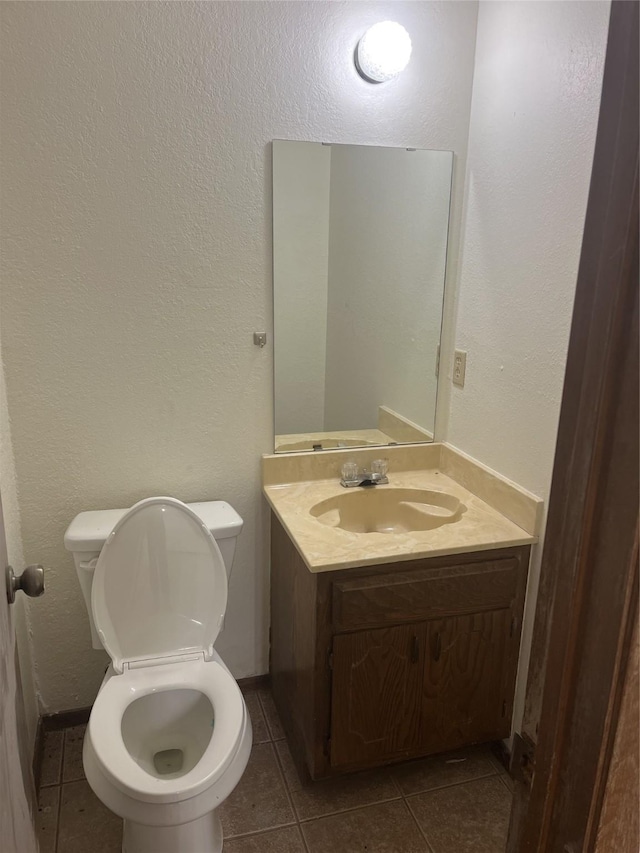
x: 169, y: 735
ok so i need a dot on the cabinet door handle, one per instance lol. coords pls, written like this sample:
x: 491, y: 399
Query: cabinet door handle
x: 415, y: 649
x: 437, y: 647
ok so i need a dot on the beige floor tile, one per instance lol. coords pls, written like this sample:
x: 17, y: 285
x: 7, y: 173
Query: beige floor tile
x: 259, y: 724
x: 51, y: 758
x: 385, y: 828
x: 72, y: 768
x: 316, y: 799
x: 468, y: 818
x: 271, y: 713
x: 86, y: 825
x: 287, y: 840
x: 260, y: 800
x: 47, y: 818
x: 448, y: 769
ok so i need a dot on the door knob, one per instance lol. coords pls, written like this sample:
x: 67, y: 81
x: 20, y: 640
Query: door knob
x: 31, y: 582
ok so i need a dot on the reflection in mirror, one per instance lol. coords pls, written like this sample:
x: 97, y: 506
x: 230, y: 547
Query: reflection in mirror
x: 359, y: 246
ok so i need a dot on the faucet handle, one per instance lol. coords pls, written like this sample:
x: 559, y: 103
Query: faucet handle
x: 380, y: 466
x: 349, y: 471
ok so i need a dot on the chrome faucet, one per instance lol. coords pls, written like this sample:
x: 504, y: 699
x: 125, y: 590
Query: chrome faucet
x: 352, y: 476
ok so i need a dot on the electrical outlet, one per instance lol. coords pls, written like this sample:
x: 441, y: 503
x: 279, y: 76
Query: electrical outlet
x: 459, y: 367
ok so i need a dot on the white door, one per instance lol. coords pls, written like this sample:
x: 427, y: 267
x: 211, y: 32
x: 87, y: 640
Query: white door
x: 17, y: 833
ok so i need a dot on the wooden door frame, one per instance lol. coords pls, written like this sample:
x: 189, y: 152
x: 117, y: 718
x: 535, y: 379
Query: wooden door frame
x: 588, y: 598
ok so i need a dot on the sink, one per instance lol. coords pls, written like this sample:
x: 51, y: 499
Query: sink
x: 382, y: 509
x: 326, y: 444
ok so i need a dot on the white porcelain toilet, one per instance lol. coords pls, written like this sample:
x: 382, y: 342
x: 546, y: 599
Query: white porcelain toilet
x: 169, y: 735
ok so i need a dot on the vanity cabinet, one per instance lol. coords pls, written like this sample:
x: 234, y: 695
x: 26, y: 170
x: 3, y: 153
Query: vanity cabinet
x: 383, y: 663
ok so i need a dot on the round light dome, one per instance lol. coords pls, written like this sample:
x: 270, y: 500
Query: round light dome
x: 383, y: 52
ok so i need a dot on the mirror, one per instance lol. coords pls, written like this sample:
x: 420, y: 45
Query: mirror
x: 359, y: 255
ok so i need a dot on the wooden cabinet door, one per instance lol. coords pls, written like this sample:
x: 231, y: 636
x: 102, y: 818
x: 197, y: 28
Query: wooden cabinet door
x: 376, y: 694
x: 468, y: 680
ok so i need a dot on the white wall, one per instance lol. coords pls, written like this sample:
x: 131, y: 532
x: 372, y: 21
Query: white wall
x: 137, y: 230
x: 301, y: 175
x: 387, y: 252
x: 534, y: 115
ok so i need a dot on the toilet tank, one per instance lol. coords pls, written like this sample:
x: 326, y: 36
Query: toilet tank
x: 88, y: 532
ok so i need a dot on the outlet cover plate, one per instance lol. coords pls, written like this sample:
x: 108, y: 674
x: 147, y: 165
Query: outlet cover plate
x: 459, y: 367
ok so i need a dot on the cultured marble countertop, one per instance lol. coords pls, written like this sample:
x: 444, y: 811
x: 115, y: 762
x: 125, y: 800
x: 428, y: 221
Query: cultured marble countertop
x: 323, y: 548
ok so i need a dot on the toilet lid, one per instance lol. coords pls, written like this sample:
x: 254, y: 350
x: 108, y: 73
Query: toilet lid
x: 160, y: 585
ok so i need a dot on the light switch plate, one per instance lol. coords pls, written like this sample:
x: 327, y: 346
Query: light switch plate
x: 459, y: 367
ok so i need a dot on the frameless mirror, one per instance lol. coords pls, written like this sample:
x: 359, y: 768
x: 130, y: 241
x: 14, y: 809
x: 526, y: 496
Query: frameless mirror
x: 359, y: 254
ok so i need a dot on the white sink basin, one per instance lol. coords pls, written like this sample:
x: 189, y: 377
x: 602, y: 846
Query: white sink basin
x: 381, y: 509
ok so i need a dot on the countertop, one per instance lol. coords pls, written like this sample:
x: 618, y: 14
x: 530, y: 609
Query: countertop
x: 323, y: 548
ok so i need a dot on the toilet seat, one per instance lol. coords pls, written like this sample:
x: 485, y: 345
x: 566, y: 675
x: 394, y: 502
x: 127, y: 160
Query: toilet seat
x: 160, y: 586
x: 105, y: 728
x: 158, y: 598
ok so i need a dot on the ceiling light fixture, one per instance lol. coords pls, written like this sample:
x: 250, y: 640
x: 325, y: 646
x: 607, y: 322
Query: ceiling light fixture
x: 383, y: 52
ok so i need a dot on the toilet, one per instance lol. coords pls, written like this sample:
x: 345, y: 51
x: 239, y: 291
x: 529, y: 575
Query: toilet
x: 169, y: 735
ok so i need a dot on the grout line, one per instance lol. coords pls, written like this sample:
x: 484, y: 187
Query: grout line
x: 498, y: 764
x: 348, y: 811
x: 392, y: 776
x: 294, y: 822
x: 352, y: 809
x: 274, y: 739
x: 302, y: 820
x: 254, y: 691
x: 257, y: 833
x: 283, y: 777
x: 288, y: 792
x: 55, y: 846
x: 400, y: 796
x: 64, y: 753
x: 44, y: 747
x: 304, y: 840
x: 264, y: 715
x: 417, y: 823
x: 404, y: 798
x: 252, y: 833
x: 506, y: 784
x: 448, y: 785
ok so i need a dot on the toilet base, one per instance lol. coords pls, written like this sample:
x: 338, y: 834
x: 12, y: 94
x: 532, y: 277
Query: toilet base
x: 203, y: 835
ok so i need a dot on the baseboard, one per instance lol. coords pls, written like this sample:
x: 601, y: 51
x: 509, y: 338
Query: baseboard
x: 54, y: 723
x: 254, y: 681
x: 38, y: 749
x: 65, y: 719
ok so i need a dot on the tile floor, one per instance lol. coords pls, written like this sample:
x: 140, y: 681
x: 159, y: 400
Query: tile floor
x: 457, y: 803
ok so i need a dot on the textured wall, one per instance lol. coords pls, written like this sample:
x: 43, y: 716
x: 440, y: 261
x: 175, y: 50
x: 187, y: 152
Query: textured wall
x: 536, y: 95
x: 137, y: 226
